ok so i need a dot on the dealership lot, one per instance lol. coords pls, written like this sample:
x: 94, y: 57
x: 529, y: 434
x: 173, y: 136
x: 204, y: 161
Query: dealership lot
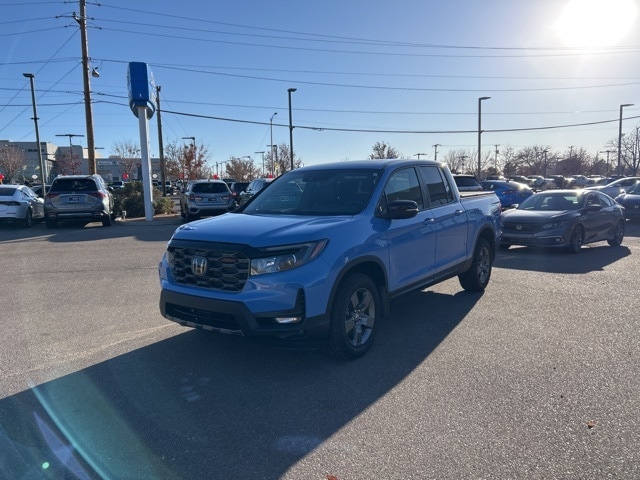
x: 536, y: 378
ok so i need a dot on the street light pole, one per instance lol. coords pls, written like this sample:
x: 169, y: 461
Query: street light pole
x: 70, y: 135
x: 262, y: 152
x: 43, y: 167
x: 272, y: 145
x: 435, y: 151
x: 607, y: 152
x: 619, y: 173
x: 418, y: 155
x: 480, y: 133
x: 290, y: 91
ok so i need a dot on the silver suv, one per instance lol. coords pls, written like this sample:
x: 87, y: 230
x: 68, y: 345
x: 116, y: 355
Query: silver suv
x: 205, y: 197
x: 78, y: 197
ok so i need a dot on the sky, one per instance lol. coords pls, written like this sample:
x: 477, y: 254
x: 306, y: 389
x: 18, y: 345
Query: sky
x: 408, y: 73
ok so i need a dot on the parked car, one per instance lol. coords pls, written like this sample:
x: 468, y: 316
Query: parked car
x: 315, y: 258
x: 538, y: 182
x: 564, y: 218
x: 509, y: 193
x: 168, y: 186
x: 520, y: 179
x: 205, y: 197
x: 117, y: 184
x: 630, y: 200
x: 38, y: 189
x: 253, y: 188
x: 467, y: 183
x: 236, y: 189
x: 78, y: 197
x: 617, y: 187
x: 20, y: 203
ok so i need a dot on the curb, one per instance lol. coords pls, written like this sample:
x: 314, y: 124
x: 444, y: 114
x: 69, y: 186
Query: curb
x: 158, y: 220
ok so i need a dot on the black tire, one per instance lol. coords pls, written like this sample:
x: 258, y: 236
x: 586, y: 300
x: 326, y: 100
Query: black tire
x: 504, y: 246
x: 477, y: 277
x: 28, y: 219
x: 50, y: 223
x: 577, y: 240
x: 618, y: 235
x: 355, y: 316
x: 106, y: 221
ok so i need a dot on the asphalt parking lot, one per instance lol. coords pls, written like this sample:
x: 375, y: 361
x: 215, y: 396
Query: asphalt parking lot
x: 536, y: 378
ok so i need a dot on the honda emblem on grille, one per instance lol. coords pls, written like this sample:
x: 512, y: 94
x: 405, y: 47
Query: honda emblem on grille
x: 518, y: 227
x: 199, y: 266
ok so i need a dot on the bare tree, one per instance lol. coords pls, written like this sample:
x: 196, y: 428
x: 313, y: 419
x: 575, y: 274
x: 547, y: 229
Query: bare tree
x: 382, y: 150
x: 12, y: 162
x: 129, y: 153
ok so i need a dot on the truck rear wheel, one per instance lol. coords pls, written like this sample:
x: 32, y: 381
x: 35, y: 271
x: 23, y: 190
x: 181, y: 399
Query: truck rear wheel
x: 355, y: 316
x: 477, y: 277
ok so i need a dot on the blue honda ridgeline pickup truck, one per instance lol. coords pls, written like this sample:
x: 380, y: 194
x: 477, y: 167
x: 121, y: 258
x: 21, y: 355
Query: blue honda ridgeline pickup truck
x: 315, y: 257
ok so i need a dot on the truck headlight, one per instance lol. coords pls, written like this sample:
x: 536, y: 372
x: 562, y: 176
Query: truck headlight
x: 286, y: 257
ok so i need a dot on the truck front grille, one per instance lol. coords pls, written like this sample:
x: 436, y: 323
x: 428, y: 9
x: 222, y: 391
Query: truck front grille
x: 214, y: 266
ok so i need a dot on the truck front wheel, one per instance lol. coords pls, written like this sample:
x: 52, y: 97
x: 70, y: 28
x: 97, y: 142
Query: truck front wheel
x: 477, y: 277
x: 355, y: 316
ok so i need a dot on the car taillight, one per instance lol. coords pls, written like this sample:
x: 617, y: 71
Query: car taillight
x: 97, y: 194
x: 51, y: 195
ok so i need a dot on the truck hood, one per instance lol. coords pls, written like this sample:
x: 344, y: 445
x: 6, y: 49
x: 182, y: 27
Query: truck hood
x: 536, y: 216
x: 259, y: 230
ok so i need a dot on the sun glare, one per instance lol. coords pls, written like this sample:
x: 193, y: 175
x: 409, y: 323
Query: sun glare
x: 595, y: 23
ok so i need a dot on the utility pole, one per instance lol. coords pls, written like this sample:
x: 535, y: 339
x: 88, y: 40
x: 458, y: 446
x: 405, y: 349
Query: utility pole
x: 435, y: 151
x: 418, y: 155
x: 495, y: 160
x: 82, y: 21
x: 160, y: 146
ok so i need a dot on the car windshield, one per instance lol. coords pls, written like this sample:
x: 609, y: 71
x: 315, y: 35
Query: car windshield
x: 316, y: 192
x: 7, y: 191
x: 73, y: 185
x: 210, y: 187
x: 552, y: 202
x: 634, y: 189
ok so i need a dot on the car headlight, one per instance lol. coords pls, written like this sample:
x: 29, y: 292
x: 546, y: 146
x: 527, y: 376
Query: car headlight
x: 553, y: 225
x: 286, y: 257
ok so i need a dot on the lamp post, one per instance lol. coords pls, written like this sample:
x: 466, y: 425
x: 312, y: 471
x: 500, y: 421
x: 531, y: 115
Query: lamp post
x: 43, y: 168
x: 262, y: 153
x: 70, y: 135
x: 619, y: 172
x: 480, y: 133
x: 184, y: 164
x: 418, y: 155
x: 435, y: 151
x: 607, y: 152
x: 290, y: 91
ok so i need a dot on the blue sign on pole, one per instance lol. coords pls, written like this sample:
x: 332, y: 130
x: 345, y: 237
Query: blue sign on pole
x: 142, y: 89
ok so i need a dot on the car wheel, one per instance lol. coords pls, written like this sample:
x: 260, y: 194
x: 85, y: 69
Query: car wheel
x: 51, y: 223
x: 618, y: 236
x: 106, y: 220
x: 576, y: 240
x: 354, y: 317
x: 28, y: 219
x: 477, y: 277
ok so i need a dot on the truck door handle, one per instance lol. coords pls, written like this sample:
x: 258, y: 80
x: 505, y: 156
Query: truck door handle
x: 429, y: 221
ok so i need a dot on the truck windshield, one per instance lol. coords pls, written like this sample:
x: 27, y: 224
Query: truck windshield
x: 316, y: 192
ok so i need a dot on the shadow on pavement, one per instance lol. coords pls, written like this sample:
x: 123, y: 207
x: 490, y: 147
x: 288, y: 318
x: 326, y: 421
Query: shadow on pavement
x: 200, y: 405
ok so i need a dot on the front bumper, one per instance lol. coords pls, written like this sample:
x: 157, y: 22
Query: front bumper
x: 234, y: 318
x: 546, y: 240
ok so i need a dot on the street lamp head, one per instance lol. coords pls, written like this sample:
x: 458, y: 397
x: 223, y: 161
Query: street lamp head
x: 484, y: 98
x: 627, y: 105
x: 291, y: 90
x: 28, y: 75
x: 274, y: 114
